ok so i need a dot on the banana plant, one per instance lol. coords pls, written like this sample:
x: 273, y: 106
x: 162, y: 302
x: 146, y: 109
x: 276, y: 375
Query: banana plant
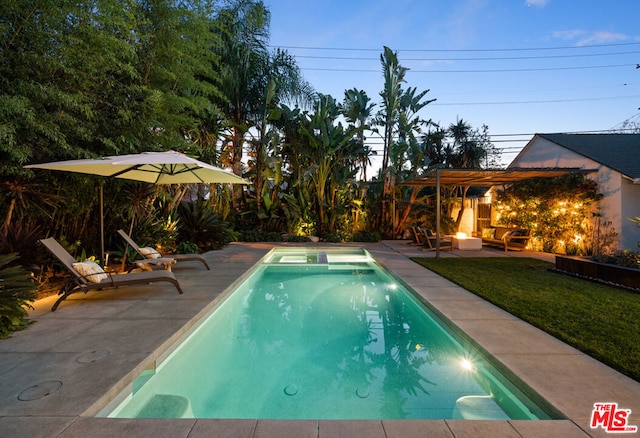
x: 330, y: 148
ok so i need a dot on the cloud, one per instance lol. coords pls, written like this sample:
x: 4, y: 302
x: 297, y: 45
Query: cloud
x: 583, y: 38
x: 601, y: 38
x: 537, y: 3
x: 568, y: 35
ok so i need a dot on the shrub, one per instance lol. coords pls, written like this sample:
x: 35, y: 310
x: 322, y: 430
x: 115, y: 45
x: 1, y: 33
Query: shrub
x: 292, y: 238
x: 333, y: 237
x: 17, y: 290
x: 187, y: 248
x: 21, y: 237
x: 364, y: 236
x: 200, y: 225
x: 626, y: 258
x: 259, y: 236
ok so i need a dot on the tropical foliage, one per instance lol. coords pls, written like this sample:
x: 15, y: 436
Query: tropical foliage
x: 561, y: 213
x: 111, y: 77
x: 17, y: 291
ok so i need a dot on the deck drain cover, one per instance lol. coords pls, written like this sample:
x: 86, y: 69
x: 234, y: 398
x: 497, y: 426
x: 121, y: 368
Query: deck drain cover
x: 291, y: 389
x: 40, y: 390
x: 93, y: 356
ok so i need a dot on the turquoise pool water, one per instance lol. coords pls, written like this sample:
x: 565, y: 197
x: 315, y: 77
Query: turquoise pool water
x: 324, y: 334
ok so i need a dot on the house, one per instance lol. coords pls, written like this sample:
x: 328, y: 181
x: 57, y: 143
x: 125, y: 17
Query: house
x: 617, y: 160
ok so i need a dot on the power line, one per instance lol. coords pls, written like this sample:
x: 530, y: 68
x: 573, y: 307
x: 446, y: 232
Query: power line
x: 357, y: 58
x: 585, y: 99
x: 522, y: 49
x: 501, y: 70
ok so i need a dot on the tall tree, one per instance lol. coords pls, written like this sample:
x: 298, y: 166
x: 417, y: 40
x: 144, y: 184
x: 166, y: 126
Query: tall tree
x: 393, y: 74
x: 247, y: 70
x: 459, y: 146
x: 284, y: 83
x: 102, y: 77
x: 330, y: 154
x: 174, y: 59
x: 407, y: 155
x: 243, y: 27
x: 358, y: 109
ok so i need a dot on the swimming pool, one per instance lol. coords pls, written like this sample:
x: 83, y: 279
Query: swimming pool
x: 323, y: 334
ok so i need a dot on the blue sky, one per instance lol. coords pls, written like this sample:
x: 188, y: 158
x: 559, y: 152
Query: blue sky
x: 518, y: 66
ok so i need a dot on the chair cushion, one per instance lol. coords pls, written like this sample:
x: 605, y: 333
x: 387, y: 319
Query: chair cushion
x: 488, y: 233
x: 517, y: 233
x: 150, y: 253
x: 501, y: 232
x: 91, y: 271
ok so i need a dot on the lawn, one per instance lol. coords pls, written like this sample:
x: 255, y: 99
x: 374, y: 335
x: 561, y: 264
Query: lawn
x: 601, y: 321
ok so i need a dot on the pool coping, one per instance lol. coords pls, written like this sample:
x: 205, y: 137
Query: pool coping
x: 49, y: 351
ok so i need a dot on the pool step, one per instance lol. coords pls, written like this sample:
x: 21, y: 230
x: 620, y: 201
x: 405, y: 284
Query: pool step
x: 166, y: 406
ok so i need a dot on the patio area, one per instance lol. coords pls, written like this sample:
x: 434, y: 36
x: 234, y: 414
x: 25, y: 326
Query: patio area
x: 56, y: 375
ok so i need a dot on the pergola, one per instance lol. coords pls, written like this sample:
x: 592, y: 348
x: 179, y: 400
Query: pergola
x: 482, y: 178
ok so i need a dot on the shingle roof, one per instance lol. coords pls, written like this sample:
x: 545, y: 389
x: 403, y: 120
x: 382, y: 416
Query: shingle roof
x: 620, y: 152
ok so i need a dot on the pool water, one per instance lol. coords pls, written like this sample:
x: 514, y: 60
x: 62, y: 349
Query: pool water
x: 324, y: 335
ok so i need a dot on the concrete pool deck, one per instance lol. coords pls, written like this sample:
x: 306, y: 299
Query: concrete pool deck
x: 58, y: 373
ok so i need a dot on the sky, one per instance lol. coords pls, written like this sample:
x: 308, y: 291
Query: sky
x: 518, y: 66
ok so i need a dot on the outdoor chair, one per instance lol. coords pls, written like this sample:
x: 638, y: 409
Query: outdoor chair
x: 150, y: 254
x: 96, y: 279
x: 417, y: 238
x: 430, y: 240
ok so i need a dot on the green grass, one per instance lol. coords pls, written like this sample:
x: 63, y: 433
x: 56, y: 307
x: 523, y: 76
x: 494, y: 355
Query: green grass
x: 599, y: 320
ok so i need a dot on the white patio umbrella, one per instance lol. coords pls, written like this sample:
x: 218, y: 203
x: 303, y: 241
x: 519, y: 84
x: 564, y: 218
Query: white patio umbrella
x: 169, y: 167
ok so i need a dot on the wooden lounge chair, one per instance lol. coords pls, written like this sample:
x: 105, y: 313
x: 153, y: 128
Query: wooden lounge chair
x: 417, y: 238
x: 80, y: 283
x: 430, y: 241
x: 176, y: 257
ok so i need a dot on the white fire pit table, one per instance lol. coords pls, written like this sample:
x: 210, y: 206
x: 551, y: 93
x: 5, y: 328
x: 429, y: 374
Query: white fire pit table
x: 467, y: 243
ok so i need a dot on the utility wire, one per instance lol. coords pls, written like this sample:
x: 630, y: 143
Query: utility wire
x: 501, y: 70
x: 581, y: 55
x: 522, y: 49
x: 585, y: 99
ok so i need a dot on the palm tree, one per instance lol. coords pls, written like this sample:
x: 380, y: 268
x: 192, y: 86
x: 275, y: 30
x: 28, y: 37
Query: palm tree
x: 284, y: 83
x: 357, y: 109
x: 243, y: 28
x: 468, y: 154
x: 253, y: 80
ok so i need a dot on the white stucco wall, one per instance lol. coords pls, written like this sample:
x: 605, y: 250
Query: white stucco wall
x: 467, y: 225
x: 543, y: 153
x: 630, y: 209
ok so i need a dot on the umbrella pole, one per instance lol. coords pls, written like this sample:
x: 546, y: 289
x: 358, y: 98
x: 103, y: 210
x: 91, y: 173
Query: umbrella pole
x: 102, y: 254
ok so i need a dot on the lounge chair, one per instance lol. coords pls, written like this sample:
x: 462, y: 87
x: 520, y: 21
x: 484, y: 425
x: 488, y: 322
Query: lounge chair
x: 430, y: 241
x: 176, y: 257
x: 82, y: 283
x: 417, y: 238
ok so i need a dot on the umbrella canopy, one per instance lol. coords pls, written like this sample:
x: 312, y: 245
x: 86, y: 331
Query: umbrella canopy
x: 169, y: 167
x: 153, y: 167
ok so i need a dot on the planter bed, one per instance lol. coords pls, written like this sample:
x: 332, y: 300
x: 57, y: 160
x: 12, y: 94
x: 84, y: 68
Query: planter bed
x: 583, y: 267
